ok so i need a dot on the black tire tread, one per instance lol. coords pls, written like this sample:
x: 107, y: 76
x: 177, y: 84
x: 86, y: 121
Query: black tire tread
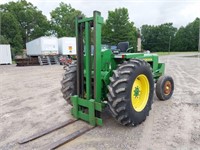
x: 116, y: 100
x: 69, y: 82
x: 159, y: 90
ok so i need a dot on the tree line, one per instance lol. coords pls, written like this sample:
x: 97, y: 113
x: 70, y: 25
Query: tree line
x: 165, y: 37
x: 21, y: 22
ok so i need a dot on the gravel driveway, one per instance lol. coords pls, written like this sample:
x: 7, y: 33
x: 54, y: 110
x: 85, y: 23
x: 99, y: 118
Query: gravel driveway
x: 30, y: 101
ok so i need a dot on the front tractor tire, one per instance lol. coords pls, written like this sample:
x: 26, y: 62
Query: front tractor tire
x: 164, y: 88
x: 131, y: 92
x: 69, y: 82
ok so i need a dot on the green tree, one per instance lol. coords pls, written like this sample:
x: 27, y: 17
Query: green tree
x: 31, y: 21
x: 180, y: 41
x: 157, y: 38
x: 63, y: 20
x: 187, y: 38
x: 10, y: 30
x: 3, y: 40
x: 148, y: 36
x: 118, y: 28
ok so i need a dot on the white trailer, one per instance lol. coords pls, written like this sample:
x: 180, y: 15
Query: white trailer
x: 5, y: 54
x: 42, y: 46
x: 67, y: 46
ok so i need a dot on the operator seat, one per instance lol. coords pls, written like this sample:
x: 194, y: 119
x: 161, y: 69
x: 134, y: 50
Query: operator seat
x: 123, y: 46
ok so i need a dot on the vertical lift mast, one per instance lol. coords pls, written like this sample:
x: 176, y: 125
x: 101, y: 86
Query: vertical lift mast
x: 87, y: 104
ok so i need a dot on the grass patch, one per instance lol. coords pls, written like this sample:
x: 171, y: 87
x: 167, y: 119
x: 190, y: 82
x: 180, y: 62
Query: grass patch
x: 175, y: 53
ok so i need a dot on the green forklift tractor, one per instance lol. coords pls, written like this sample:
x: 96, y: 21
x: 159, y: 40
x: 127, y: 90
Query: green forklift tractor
x: 120, y: 80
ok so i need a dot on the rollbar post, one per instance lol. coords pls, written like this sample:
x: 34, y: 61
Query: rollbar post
x: 80, y: 57
x: 88, y: 60
x: 98, y: 20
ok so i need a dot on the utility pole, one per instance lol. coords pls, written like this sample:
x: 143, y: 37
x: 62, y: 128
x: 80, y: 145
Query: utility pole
x: 169, y: 44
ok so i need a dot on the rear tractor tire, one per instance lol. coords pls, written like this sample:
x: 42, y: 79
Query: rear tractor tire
x: 164, y: 88
x: 131, y: 92
x: 69, y: 82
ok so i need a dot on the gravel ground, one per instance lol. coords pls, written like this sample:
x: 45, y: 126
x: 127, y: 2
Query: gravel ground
x: 30, y: 101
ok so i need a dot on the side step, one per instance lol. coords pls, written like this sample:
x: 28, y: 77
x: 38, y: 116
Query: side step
x: 59, y: 142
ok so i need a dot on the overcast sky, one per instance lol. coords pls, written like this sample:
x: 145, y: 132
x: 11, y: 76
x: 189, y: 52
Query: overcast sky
x: 152, y: 12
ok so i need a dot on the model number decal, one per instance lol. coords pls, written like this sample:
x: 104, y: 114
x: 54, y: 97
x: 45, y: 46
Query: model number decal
x: 147, y: 59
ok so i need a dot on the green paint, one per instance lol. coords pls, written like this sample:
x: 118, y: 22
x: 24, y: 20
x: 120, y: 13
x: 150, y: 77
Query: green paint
x: 88, y: 113
x: 136, y: 91
x: 98, y: 68
x: 98, y: 20
x: 88, y: 60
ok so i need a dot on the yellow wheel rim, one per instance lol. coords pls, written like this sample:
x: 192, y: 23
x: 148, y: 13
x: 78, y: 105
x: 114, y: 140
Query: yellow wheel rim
x: 140, y: 92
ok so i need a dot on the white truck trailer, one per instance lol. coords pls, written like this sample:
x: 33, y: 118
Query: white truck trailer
x: 67, y: 45
x: 67, y: 49
x: 42, y: 46
x: 5, y: 54
x: 43, y: 51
